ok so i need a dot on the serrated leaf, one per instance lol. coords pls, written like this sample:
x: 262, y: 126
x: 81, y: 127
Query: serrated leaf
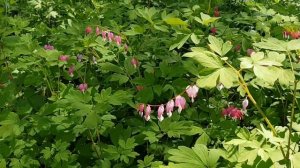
x: 272, y: 44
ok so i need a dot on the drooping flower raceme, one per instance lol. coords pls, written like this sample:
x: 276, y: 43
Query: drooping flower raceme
x: 160, y: 112
x: 192, y: 91
x: 180, y: 102
x: 147, y: 113
x: 83, y: 87
x: 170, y: 107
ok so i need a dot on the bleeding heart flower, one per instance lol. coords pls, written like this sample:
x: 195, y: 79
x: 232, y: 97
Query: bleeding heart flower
x: 250, y: 52
x: 233, y: 113
x: 147, y: 113
x: 245, y: 104
x: 88, y: 30
x: 79, y: 57
x: 71, y: 70
x: 63, y: 58
x: 160, y: 112
x: 180, y: 103
x: 170, y: 107
x: 192, y: 91
x: 104, y: 35
x: 98, y: 31
x: 83, y: 87
x: 141, y: 108
x: 118, y: 40
x: 110, y: 36
x: 213, y: 31
x: 134, y: 62
x: 48, y: 47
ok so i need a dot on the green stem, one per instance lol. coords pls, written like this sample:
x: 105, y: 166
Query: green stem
x: 291, y: 122
x: 246, y: 89
x: 94, y: 145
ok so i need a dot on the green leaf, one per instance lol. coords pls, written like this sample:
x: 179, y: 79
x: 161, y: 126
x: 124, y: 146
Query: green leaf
x: 175, y: 21
x: 107, y: 66
x: 206, y: 59
x: 180, y: 43
x: 272, y: 44
x: 91, y: 120
x: 285, y: 76
x: 218, y: 46
x: 205, y: 19
x: 293, y: 45
x: 268, y: 74
x: 195, y: 39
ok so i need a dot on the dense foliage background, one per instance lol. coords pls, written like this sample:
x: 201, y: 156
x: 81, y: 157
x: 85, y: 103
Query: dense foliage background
x: 81, y: 83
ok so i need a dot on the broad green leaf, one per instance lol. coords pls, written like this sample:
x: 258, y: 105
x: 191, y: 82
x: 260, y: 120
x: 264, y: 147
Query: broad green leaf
x: 228, y: 77
x: 272, y: 44
x: 267, y: 74
x: 175, y: 21
x: 195, y: 39
x: 109, y: 67
x: 293, y: 45
x: 295, y: 159
x: 208, y: 60
x: 285, y: 76
x: 218, y: 46
x: 185, y: 155
x: 205, y: 19
x: 209, y: 81
x: 91, y: 120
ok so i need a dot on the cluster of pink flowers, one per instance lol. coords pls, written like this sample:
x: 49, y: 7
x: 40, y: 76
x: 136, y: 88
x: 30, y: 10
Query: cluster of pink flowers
x: 106, y: 35
x: 168, y: 108
x: 235, y: 113
x: 293, y: 34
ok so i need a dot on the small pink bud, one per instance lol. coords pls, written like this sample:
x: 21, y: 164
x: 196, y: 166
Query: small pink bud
x: 79, y: 57
x: 118, y: 40
x: 88, y: 30
x: 98, y: 31
x: 237, y: 48
x: 192, y: 91
x: 126, y: 48
x: 71, y: 70
x: 110, y: 36
x: 170, y: 107
x: 104, y: 35
x: 48, y: 47
x: 83, y: 87
x: 63, y: 58
x: 147, y: 113
x: 213, y: 30
x: 134, y: 62
x: 141, y: 108
x: 250, y: 52
x: 180, y: 102
x: 245, y: 104
x: 216, y: 12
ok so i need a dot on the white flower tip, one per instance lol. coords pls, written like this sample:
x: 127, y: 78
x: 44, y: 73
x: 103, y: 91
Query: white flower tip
x: 169, y: 114
x: 147, y: 117
x: 161, y: 118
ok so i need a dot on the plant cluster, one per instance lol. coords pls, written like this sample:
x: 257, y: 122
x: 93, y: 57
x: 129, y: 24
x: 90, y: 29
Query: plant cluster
x: 97, y: 83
